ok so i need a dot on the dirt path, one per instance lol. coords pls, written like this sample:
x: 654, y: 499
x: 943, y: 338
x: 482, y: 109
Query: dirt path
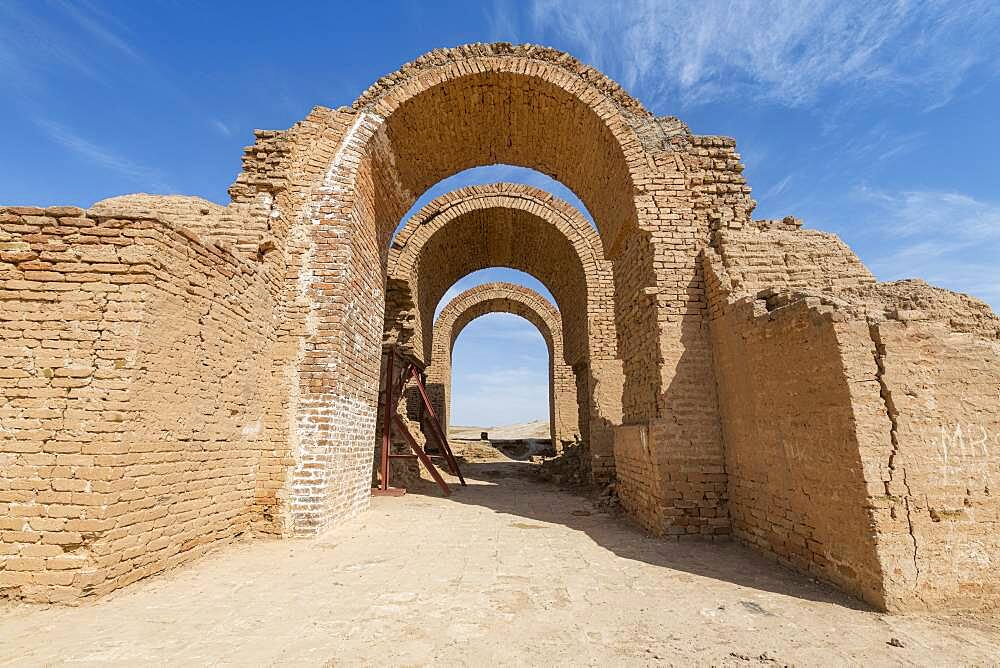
x: 508, y: 571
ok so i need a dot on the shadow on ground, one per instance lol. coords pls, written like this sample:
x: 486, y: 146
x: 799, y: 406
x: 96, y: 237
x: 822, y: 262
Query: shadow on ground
x: 500, y: 486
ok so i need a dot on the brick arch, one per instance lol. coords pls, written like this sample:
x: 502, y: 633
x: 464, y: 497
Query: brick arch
x: 501, y: 297
x: 335, y: 185
x: 501, y: 224
x: 524, y: 105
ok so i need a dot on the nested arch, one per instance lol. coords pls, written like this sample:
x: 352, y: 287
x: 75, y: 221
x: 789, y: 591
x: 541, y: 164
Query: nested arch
x: 502, y: 297
x: 509, y: 225
x: 342, y: 179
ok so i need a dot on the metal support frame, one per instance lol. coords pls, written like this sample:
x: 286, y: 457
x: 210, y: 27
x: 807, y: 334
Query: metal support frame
x: 436, y: 427
x: 391, y: 419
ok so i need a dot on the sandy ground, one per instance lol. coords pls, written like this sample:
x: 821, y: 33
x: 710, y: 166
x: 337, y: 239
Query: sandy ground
x: 508, y: 571
x: 503, y: 432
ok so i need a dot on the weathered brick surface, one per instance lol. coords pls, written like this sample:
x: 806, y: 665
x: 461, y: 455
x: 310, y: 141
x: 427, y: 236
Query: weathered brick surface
x: 930, y: 449
x: 859, y: 419
x: 536, y: 309
x: 131, y: 420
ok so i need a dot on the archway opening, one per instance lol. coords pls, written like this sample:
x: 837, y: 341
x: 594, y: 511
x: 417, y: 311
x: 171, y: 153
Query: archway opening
x: 518, y: 227
x: 447, y: 112
x: 500, y: 381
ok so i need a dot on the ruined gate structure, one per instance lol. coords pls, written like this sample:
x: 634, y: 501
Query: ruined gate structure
x: 175, y: 373
x: 518, y: 300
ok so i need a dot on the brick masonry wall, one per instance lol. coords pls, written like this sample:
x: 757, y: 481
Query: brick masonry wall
x: 242, y: 227
x: 518, y: 300
x: 783, y: 390
x: 691, y: 186
x: 481, y: 226
x: 841, y: 402
x: 131, y: 412
x: 271, y: 352
x: 615, y: 155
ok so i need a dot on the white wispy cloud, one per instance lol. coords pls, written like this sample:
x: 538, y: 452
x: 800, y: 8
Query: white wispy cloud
x: 502, y: 17
x: 946, y: 238
x: 500, y: 396
x: 953, y: 216
x: 500, y: 369
x: 777, y: 188
x: 99, y: 25
x: 221, y: 127
x: 32, y: 47
x: 99, y: 155
x: 41, y: 42
x: 778, y: 51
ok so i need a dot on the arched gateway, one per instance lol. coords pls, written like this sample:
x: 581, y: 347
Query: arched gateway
x: 517, y: 300
x: 176, y: 373
x: 516, y: 226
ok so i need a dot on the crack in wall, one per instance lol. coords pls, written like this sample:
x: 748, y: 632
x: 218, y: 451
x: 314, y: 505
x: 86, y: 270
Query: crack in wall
x: 892, y: 412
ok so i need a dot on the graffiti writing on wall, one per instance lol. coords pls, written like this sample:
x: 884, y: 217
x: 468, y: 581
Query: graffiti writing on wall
x: 964, y: 450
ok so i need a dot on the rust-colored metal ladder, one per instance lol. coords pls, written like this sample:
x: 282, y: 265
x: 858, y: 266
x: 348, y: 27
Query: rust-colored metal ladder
x: 391, y: 419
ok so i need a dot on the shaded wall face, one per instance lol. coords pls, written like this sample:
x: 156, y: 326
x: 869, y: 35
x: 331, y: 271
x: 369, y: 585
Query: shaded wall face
x: 796, y: 479
x: 878, y: 403
x: 796, y: 485
x: 676, y: 483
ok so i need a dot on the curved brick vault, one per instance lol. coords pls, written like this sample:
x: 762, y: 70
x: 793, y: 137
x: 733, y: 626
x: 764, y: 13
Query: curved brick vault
x: 509, y: 225
x: 501, y: 297
x: 520, y: 227
x: 176, y: 373
x: 354, y: 172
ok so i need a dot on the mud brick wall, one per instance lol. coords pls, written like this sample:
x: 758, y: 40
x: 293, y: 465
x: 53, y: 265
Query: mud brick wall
x: 783, y: 390
x: 132, y: 412
x: 688, y: 500
x: 767, y: 254
x: 796, y: 490
x: 930, y: 449
x: 242, y: 228
x: 162, y: 393
x: 859, y: 430
x: 328, y: 316
x: 695, y: 185
x: 637, y: 476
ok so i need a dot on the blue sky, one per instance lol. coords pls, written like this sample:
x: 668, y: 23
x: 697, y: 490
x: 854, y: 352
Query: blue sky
x: 871, y: 120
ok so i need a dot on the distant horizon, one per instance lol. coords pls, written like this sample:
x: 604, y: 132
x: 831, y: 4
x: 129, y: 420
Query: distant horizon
x: 494, y: 426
